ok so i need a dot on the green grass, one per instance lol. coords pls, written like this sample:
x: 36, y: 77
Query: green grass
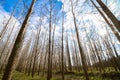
x: 22, y: 76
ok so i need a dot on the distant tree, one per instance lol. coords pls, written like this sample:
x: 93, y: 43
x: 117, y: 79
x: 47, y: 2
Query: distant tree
x: 68, y: 55
x: 49, y: 52
x: 79, y: 43
x: 6, y: 25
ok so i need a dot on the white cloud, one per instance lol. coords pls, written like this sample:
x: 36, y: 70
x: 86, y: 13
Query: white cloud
x: 4, y: 17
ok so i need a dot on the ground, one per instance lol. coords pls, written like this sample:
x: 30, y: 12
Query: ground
x: 69, y: 76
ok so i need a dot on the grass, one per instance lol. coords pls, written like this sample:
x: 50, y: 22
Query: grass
x: 22, y: 76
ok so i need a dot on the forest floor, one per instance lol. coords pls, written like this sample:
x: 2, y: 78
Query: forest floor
x: 68, y: 76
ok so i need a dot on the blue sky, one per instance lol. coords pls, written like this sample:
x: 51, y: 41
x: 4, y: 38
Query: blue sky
x: 8, y: 5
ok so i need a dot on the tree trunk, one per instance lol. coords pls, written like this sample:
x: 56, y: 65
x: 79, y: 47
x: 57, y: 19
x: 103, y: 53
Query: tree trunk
x: 12, y: 59
x: 49, y: 52
x: 79, y: 45
x: 109, y: 14
x: 68, y: 54
x: 106, y: 20
x: 62, y: 53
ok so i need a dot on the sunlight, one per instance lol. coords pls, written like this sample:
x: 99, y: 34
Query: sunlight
x: 59, y: 39
x: 102, y: 32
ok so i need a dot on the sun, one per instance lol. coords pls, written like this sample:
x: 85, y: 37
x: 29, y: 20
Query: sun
x: 102, y: 32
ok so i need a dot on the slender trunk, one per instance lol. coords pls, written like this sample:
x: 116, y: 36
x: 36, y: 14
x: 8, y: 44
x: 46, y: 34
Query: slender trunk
x: 76, y: 55
x: 62, y: 53
x: 7, y: 41
x: 36, y: 51
x: 52, y: 50
x: 49, y: 52
x: 5, y: 27
x: 109, y: 14
x: 68, y: 54
x: 79, y: 45
x: 106, y: 20
x: 99, y: 59
x: 12, y: 59
x: 45, y: 60
x: 39, y: 68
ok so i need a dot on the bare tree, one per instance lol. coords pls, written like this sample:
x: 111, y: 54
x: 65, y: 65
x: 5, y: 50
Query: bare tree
x: 109, y: 14
x: 49, y: 53
x: 106, y: 20
x: 79, y: 44
x: 12, y: 59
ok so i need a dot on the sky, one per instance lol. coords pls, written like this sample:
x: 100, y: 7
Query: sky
x: 87, y: 15
x: 8, y: 5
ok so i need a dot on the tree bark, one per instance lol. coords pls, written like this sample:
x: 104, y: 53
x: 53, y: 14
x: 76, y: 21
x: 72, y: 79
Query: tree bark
x: 79, y: 45
x: 109, y: 14
x: 106, y: 20
x: 49, y: 52
x: 12, y: 59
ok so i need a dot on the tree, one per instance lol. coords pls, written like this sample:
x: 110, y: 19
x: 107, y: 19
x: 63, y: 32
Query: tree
x: 68, y: 55
x: 12, y: 59
x: 35, y: 51
x: 79, y: 44
x: 109, y: 14
x: 49, y: 52
x: 5, y: 27
x: 107, y: 21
